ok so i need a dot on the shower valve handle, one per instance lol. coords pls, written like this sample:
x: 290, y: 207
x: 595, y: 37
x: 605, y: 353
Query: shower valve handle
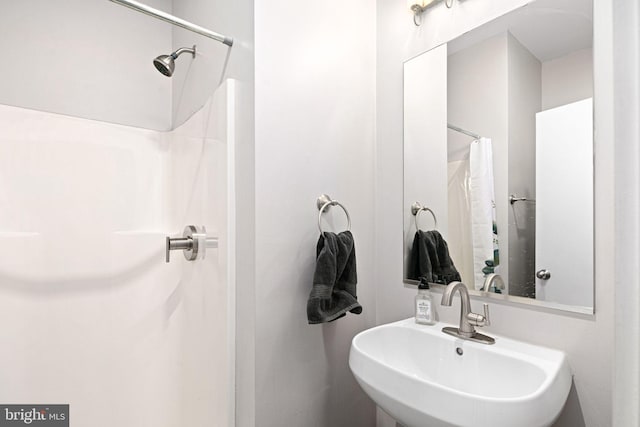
x: 178, y: 243
x: 193, y: 243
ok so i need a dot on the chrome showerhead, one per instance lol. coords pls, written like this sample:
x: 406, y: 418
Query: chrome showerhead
x: 166, y: 63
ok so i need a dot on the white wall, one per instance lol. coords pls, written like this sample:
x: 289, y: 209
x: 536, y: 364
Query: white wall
x: 425, y: 158
x: 96, y: 58
x: 315, y: 110
x: 478, y: 102
x: 398, y: 39
x: 86, y: 58
x: 193, y: 82
x: 525, y: 81
x: 506, y: 83
x: 567, y: 79
x: 626, y: 411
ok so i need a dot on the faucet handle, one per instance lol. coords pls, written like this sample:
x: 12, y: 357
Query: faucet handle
x: 480, y: 319
x: 487, y: 321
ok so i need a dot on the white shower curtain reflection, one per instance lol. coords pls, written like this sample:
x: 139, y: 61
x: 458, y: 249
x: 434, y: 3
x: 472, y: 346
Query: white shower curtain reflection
x: 483, y: 213
x: 459, y: 215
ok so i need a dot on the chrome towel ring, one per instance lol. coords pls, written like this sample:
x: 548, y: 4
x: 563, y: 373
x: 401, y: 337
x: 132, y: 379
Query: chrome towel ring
x: 417, y: 208
x: 324, y: 202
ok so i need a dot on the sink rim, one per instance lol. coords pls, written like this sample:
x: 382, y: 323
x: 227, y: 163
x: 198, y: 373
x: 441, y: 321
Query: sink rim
x: 550, y: 367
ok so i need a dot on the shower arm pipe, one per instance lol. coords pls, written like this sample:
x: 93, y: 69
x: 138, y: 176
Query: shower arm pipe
x: 463, y: 131
x: 191, y: 50
x: 166, y: 17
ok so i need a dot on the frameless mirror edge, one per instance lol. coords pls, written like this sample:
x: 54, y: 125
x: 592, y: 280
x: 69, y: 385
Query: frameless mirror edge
x: 522, y: 302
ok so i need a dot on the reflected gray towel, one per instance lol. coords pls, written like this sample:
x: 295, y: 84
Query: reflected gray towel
x: 430, y: 258
x: 335, y: 278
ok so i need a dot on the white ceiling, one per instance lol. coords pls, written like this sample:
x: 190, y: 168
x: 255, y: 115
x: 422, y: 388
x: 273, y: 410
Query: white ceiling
x: 548, y: 28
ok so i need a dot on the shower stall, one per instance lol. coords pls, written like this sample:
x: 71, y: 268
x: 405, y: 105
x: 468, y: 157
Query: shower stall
x: 103, y: 163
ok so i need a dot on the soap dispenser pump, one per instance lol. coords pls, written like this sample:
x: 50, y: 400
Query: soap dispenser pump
x: 425, y: 309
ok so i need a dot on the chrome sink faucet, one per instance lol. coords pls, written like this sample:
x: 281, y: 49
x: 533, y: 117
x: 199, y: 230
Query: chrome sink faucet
x: 494, y: 280
x: 468, y: 320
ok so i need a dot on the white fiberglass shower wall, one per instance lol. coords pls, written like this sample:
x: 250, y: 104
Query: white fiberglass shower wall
x: 94, y: 174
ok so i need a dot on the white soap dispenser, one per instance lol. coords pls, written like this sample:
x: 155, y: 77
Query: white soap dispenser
x: 425, y: 309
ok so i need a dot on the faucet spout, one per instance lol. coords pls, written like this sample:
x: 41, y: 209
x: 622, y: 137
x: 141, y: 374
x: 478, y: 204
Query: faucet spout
x: 466, y: 328
x: 494, y: 280
x: 467, y: 318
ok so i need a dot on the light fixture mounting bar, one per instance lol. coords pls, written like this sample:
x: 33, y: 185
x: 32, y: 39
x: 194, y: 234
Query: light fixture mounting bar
x: 420, y: 6
x: 174, y: 20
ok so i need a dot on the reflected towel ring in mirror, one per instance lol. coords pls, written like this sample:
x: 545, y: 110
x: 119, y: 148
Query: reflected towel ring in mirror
x: 417, y: 208
x: 324, y: 202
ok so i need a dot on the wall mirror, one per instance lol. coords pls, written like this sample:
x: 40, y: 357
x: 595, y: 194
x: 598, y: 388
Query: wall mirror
x: 498, y: 158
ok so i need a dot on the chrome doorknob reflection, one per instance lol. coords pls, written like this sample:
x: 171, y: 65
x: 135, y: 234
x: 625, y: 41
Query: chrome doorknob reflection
x: 543, y: 274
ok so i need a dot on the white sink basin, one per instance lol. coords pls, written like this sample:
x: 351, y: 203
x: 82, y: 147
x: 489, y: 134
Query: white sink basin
x: 415, y: 374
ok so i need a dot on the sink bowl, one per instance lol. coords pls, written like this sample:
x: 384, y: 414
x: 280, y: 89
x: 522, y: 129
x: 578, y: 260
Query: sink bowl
x: 417, y: 375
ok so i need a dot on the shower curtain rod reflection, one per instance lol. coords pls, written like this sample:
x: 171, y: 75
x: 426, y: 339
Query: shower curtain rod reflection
x: 466, y: 132
x: 163, y: 16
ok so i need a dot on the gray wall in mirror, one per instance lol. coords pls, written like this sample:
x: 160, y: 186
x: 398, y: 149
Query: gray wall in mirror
x: 524, y: 84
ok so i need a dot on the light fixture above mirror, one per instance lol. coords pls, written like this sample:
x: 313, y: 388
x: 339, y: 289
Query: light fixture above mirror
x: 419, y: 6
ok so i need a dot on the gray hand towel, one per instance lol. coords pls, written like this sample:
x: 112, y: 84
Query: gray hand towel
x: 430, y: 258
x: 334, y: 281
